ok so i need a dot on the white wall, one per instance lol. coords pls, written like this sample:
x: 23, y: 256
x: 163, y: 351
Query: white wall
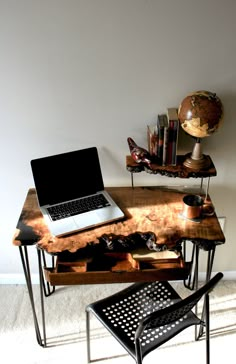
x: 78, y: 73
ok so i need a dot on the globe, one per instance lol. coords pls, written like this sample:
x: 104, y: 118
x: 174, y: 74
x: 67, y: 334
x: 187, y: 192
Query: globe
x: 200, y: 115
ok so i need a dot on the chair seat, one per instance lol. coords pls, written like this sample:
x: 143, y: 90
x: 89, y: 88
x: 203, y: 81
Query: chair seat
x: 122, y: 312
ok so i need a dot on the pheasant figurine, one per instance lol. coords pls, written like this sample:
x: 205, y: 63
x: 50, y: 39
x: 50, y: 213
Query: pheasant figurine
x: 139, y: 154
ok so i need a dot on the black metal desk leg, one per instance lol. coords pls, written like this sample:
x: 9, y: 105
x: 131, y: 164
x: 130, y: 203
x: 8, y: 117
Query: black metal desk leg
x: 48, y: 290
x: 210, y: 261
x: 192, y: 280
x: 26, y: 269
x: 42, y: 290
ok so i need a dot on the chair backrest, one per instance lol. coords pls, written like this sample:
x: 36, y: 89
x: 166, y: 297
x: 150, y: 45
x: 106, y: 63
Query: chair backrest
x: 177, y: 310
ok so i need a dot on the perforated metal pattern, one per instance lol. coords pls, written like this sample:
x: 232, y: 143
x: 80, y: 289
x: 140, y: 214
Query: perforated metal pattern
x: 141, y: 317
x: 127, y: 312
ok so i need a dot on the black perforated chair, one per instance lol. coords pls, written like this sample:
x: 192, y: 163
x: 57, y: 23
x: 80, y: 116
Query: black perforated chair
x: 144, y: 316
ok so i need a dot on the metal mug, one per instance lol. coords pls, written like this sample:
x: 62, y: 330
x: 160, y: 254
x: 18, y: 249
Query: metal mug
x: 195, y: 207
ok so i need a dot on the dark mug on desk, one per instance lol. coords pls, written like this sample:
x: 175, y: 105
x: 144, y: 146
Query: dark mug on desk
x: 195, y: 207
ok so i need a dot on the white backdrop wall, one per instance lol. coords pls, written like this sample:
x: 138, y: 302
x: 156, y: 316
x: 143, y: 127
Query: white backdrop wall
x: 79, y: 73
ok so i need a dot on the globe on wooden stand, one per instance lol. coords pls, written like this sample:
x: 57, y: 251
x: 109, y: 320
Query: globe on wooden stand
x: 200, y: 115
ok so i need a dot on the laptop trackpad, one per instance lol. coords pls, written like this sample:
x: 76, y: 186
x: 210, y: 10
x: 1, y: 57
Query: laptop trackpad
x: 60, y: 228
x: 85, y: 220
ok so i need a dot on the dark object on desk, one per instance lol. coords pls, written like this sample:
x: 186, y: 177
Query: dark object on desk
x: 139, y: 154
x: 122, y: 243
x: 156, y: 313
x: 114, y: 243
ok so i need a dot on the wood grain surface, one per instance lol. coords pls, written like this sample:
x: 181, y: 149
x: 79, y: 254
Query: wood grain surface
x: 146, y: 209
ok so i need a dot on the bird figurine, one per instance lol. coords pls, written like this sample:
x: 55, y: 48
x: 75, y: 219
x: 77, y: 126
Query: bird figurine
x: 139, y: 154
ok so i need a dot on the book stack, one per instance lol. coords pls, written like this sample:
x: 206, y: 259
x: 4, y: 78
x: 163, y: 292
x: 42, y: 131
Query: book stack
x: 168, y: 128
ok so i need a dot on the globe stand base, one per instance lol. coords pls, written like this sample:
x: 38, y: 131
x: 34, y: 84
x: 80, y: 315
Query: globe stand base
x: 197, y: 164
x: 197, y: 160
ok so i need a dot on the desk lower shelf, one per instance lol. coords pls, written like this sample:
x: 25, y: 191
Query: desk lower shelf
x: 125, y: 269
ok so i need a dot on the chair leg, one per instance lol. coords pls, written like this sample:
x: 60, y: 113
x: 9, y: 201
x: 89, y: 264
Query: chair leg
x: 88, y: 336
x: 138, y: 352
x: 207, y: 318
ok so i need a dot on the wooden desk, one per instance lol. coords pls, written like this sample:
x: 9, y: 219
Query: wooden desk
x: 147, y: 210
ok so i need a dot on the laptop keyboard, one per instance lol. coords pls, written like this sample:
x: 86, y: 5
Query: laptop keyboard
x: 77, y: 207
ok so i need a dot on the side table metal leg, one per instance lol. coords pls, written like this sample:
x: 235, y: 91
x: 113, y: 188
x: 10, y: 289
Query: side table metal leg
x: 207, y: 189
x: 27, y: 273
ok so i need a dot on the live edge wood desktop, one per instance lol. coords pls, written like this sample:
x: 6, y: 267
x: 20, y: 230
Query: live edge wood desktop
x: 153, y: 215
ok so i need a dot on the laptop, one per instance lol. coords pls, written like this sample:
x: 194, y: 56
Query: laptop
x: 71, y: 193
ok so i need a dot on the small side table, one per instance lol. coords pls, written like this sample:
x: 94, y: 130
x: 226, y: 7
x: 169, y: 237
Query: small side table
x: 179, y: 170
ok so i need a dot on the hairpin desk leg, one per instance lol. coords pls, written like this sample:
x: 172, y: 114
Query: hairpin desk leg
x: 191, y: 282
x: 48, y: 290
x: 26, y: 269
x: 42, y: 290
x: 210, y: 260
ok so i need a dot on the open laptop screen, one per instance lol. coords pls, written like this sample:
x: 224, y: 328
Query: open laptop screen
x: 67, y: 176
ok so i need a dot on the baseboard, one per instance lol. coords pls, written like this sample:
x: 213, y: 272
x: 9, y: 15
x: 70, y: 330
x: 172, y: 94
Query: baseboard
x: 228, y: 275
x: 17, y: 278
x: 20, y: 278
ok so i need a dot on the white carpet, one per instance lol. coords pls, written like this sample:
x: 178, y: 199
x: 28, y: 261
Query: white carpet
x: 65, y: 319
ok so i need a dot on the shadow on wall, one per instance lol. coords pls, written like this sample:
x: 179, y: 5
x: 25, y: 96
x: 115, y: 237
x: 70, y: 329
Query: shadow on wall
x: 224, y: 198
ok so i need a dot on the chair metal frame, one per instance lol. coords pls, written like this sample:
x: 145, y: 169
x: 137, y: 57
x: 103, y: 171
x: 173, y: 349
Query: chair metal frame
x: 165, y: 318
